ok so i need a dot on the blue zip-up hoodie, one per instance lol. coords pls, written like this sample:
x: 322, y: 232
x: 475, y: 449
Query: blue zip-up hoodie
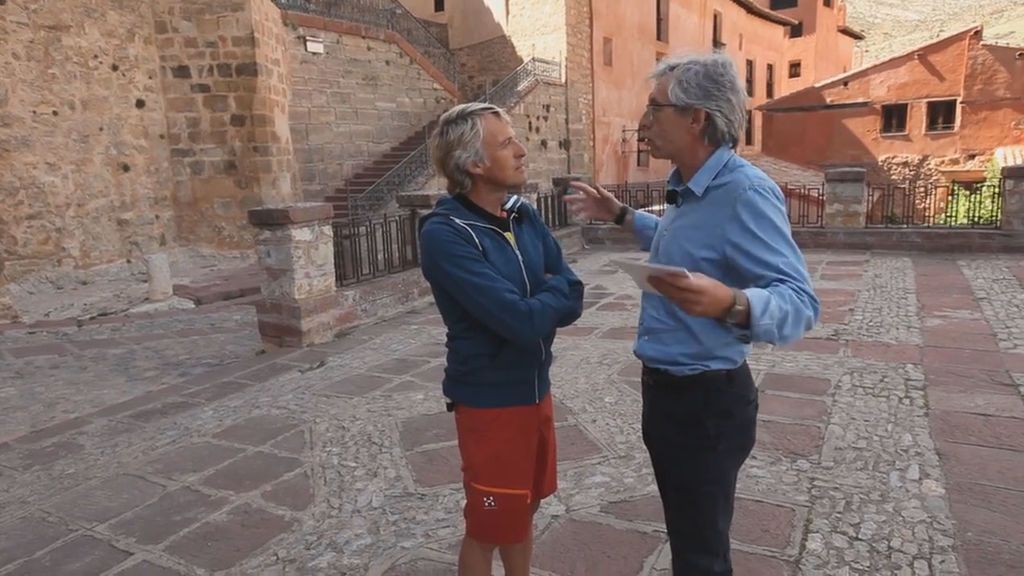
x: 500, y: 309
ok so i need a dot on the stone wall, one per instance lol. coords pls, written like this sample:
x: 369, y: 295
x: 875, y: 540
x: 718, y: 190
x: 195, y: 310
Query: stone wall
x: 486, y: 63
x: 225, y: 82
x: 85, y: 176
x: 540, y: 123
x: 580, y: 79
x: 353, y: 103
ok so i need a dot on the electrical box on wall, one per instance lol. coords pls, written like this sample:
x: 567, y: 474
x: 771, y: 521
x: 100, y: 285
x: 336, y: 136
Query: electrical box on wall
x: 314, y: 45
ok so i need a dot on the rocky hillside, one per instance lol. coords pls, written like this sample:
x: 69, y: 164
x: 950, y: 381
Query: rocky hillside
x: 893, y: 26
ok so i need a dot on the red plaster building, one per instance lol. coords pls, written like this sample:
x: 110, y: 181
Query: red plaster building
x: 778, y: 46
x: 936, y: 113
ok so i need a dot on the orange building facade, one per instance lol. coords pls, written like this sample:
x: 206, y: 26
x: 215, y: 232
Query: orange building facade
x: 949, y: 104
x: 630, y: 37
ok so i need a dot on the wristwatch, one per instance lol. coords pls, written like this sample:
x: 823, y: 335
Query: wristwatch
x: 621, y: 216
x: 740, y: 307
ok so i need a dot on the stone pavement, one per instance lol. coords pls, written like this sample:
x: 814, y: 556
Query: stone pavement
x: 891, y: 441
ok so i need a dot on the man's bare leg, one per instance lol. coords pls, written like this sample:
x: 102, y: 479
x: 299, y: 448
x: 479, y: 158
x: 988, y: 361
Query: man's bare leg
x: 516, y: 558
x: 475, y: 558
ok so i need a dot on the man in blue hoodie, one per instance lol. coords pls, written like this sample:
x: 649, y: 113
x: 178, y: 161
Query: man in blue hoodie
x: 503, y: 288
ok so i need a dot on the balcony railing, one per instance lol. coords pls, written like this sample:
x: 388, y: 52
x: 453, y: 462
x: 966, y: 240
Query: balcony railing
x: 368, y: 248
x: 926, y: 205
x: 387, y: 15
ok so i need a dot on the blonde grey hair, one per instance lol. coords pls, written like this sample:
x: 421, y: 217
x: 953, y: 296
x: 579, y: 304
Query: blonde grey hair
x: 712, y: 84
x: 458, y: 141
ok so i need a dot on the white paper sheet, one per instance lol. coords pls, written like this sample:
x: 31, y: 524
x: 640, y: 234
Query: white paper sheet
x: 639, y: 271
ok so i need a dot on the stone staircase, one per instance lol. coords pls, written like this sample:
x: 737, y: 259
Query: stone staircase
x: 366, y: 177
x: 409, y: 162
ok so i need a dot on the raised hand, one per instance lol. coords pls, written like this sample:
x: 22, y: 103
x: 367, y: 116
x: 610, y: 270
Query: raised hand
x: 591, y: 204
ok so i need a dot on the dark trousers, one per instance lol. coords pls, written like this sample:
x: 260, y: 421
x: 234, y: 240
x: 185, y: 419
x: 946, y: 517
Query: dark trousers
x: 699, y: 430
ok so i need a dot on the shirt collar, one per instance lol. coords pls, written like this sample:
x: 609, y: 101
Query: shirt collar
x: 703, y: 178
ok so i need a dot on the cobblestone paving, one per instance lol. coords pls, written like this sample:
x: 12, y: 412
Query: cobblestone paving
x: 997, y: 283
x: 168, y: 446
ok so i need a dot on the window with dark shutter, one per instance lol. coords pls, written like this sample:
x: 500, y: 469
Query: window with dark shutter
x: 662, y: 20
x: 894, y: 118
x: 750, y: 78
x: 941, y: 116
x: 716, y: 32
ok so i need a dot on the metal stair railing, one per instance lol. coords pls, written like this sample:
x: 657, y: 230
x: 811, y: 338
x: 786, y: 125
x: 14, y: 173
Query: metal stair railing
x: 385, y: 14
x: 505, y: 93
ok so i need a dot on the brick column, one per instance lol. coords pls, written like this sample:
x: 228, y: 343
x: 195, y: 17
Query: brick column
x: 845, y: 198
x: 1013, y: 198
x: 295, y: 245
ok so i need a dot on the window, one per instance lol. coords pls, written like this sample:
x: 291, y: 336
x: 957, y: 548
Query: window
x: 608, y: 51
x: 941, y: 116
x: 796, y: 31
x: 438, y: 5
x: 894, y: 118
x: 750, y: 128
x: 662, y: 20
x: 783, y: 4
x: 750, y: 78
x: 716, y: 32
x: 769, y: 82
x: 828, y: 3
x: 794, y: 69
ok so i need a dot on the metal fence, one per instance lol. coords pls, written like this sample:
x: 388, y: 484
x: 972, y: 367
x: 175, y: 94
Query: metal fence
x: 417, y: 163
x: 385, y: 14
x: 510, y: 89
x: 645, y: 196
x: 553, y: 211
x: 927, y: 205
x: 805, y: 204
x: 368, y: 248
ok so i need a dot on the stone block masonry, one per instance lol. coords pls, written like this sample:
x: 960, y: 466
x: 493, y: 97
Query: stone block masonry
x: 224, y: 73
x: 296, y: 252
x: 134, y: 128
x: 539, y: 121
x: 83, y: 152
x: 353, y: 103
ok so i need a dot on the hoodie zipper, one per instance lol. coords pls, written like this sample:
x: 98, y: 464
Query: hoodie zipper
x: 529, y: 292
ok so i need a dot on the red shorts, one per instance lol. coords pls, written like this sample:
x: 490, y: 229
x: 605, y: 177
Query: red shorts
x: 508, y: 465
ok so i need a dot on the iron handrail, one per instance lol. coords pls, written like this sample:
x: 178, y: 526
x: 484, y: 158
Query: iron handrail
x: 417, y: 163
x: 385, y: 14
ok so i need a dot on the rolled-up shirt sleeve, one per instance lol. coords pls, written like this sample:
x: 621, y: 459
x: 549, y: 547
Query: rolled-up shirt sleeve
x: 645, y: 225
x: 760, y: 247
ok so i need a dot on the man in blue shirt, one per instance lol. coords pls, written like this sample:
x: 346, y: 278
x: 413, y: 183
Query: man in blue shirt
x: 726, y: 223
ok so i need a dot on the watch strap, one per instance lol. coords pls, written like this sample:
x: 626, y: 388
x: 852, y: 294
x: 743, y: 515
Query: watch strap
x: 620, y: 218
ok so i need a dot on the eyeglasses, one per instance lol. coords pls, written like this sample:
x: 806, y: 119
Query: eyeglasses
x: 651, y: 107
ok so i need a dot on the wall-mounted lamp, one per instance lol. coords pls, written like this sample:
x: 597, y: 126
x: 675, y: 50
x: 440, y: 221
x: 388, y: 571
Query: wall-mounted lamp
x: 314, y: 45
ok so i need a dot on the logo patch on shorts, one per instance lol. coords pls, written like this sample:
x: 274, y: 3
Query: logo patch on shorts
x: 490, y: 503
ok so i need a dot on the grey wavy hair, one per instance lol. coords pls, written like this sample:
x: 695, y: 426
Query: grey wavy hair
x: 458, y: 141
x: 709, y: 82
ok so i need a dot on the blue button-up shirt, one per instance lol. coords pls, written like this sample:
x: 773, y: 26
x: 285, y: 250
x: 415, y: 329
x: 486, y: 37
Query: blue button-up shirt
x: 730, y: 223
